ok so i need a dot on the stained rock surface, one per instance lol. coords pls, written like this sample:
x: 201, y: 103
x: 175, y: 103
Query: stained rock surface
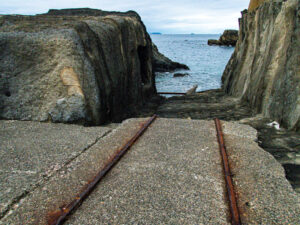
x: 254, y: 4
x: 264, y: 70
x: 74, y: 65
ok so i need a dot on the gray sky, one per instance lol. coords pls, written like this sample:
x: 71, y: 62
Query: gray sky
x: 166, y: 16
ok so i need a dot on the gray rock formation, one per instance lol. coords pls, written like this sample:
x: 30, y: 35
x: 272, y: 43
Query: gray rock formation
x: 163, y: 64
x: 74, y: 65
x: 229, y: 37
x: 264, y: 70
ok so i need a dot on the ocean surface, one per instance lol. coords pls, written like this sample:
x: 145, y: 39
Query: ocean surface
x: 206, y: 63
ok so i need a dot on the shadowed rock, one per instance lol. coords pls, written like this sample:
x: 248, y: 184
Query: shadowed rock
x: 160, y: 62
x: 163, y: 64
x: 74, y: 65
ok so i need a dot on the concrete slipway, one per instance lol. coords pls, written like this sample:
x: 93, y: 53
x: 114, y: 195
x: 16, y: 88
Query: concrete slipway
x: 172, y: 175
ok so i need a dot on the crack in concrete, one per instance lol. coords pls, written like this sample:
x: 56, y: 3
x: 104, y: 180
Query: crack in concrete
x: 45, y: 177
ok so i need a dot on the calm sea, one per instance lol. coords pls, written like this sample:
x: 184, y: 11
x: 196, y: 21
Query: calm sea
x: 206, y: 63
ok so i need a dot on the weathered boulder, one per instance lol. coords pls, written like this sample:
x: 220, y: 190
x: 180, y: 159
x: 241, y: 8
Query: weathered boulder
x: 74, y: 65
x: 264, y: 70
x: 229, y: 37
x: 163, y: 64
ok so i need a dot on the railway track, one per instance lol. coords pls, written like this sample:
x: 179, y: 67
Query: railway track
x: 67, y: 210
x: 59, y: 218
x: 234, y: 211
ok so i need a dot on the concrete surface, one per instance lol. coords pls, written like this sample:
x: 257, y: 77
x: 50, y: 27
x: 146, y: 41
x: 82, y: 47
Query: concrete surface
x: 283, y: 144
x: 264, y: 194
x: 172, y: 175
x: 36, y: 206
x: 31, y: 152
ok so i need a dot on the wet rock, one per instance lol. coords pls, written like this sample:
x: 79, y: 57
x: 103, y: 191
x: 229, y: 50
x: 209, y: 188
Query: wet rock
x: 163, y: 64
x: 264, y: 71
x: 213, y: 42
x: 293, y: 175
x: 74, y: 65
x: 229, y: 37
x: 180, y: 74
x: 204, y: 105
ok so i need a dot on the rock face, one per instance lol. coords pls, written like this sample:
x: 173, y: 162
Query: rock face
x: 264, y: 70
x: 163, y: 64
x: 74, y: 65
x: 229, y: 37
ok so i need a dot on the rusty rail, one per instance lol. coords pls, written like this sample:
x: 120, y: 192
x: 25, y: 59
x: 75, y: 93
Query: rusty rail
x: 171, y: 93
x: 235, y: 215
x: 60, y: 217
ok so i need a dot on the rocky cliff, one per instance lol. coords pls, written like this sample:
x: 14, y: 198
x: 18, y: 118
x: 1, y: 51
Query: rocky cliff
x: 254, y: 4
x: 264, y: 70
x: 74, y: 65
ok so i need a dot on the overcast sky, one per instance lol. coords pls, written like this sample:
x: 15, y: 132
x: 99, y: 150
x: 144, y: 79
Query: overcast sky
x: 165, y: 16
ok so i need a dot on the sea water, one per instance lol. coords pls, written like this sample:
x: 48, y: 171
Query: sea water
x: 206, y: 63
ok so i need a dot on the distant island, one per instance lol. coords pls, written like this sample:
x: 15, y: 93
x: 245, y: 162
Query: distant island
x: 156, y: 33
